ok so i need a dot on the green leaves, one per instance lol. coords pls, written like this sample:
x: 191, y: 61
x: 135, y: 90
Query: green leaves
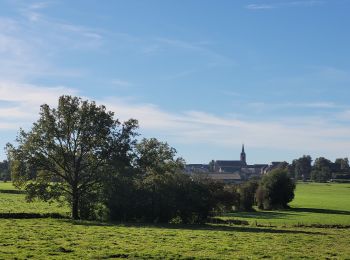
x: 67, y: 149
x: 276, y: 190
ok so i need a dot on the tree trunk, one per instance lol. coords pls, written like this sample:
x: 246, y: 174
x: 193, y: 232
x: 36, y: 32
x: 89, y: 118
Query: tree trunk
x: 75, y: 203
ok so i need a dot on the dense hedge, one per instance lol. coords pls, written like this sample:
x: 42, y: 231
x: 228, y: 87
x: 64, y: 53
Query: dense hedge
x: 31, y: 215
x: 176, y: 198
x: 276, y: 190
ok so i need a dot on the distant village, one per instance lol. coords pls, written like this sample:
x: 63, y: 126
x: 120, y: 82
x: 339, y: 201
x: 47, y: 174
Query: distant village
x: 231, y: 171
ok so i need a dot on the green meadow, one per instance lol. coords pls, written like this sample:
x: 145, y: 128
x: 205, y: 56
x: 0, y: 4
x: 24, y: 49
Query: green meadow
x: 50, y: 238
x: 314, y: 203
x: 269, y: 235
x: 13, y: 201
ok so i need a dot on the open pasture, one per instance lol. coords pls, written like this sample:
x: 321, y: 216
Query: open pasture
x: 13, y: 201
x: 62, y: 238
x: 52, y: 239
x: 314, y: 203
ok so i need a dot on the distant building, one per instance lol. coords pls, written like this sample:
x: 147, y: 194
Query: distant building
x: 230, y: 171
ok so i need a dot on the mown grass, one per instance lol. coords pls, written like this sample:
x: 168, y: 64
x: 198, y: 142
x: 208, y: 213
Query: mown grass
x: 314, y: 203
x: 6, y: 186
x: 57, y: 239
x: 15, y: 203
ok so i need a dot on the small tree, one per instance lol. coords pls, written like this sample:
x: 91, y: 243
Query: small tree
x: 322, y: 170
x: 247, y: 193
x: 67, y: 150
x: 5, y: 171
x: 275, y: 190
x: 302, y: 167
x: 342, y: 164
x: 157, y: 190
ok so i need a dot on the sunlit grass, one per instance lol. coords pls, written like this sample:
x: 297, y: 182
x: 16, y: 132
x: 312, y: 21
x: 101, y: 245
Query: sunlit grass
x: 50, y: 238
x: 16, y: 203
x: 314, y: 203
x: 6, y: 186
x: 58, y: 239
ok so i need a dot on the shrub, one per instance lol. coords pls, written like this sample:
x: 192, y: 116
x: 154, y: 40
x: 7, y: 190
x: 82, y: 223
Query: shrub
x: 275, y: 190
x: 172, y: 197
x: 247, y: 193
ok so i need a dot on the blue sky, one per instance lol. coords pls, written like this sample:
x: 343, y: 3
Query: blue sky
x: 205, y: 76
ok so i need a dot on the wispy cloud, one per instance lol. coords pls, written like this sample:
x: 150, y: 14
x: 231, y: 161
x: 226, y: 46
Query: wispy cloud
x: 260, y: 6
x: 200, y: 47
x: 311, y: 105
x: 284, y: 4
x: 25, y: 52
x: 187, y: 127
x: 121, y: 84
x: 223, y: 131
x: 20, y: 103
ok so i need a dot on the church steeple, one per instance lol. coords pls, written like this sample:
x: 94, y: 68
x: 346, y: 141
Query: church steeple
x: 243, y: 156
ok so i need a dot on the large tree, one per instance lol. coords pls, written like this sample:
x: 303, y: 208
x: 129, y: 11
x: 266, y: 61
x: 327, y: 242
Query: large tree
x: 66, y: 152
x: 341, y: 164
x: 322, y: 170
x: 4, y: 171
x: 302, y: 167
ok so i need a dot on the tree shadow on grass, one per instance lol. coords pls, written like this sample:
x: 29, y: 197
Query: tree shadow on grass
x: 262, y: 214
x: 286, y: 213
x: 205, y: 227
x: 322, y: 211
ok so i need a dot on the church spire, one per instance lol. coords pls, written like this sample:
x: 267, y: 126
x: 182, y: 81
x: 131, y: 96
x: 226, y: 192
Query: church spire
x: 243, y: 155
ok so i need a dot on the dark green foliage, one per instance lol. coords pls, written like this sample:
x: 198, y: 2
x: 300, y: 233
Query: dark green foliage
x: 302, y: 167
x: 157, y: 190
x: 342, y: 164
x: 341, y: 176
x: 78, y: 153
x: 247, y: 193
x: 68, y: 152
x: 171, y: 197
x: 275, y: 190
x: 16, y: 215
x: 322, y: 170
x: 5, y: 174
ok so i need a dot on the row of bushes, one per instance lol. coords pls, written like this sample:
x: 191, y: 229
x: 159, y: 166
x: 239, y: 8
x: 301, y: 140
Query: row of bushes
x: 180, y: 198
x: 175, y: 197
x: 80, y: 154
x: 20, y: 215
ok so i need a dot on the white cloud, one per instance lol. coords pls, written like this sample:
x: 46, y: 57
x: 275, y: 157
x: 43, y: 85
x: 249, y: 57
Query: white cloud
x: 311, y: 105
x: 121, y: 83
x: 22, y: 102
x: 27, y: 53
x: 19, y: 107
x: 199, y: 47
x: 259, y: 6
x: 284, y: 4
x: 203, y: 128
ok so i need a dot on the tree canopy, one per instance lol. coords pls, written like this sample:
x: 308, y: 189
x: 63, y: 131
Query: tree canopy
x: 302, y: 167
x: 276, y: 190
x: 67, y: 149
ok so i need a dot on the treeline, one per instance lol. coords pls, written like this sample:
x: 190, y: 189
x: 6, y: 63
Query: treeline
x: 79, y: 154
x: 321, y: 170
x: 5, y: 174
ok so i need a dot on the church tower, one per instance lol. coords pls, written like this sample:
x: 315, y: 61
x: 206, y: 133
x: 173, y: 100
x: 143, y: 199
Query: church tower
x: 243, y: 156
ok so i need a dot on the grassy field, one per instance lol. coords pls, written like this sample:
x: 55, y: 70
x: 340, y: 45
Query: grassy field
x: 314, y: 203
x: 51, y: 238
x: 16, y: 203
x: 6, y: 186
x: 61, y: 238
